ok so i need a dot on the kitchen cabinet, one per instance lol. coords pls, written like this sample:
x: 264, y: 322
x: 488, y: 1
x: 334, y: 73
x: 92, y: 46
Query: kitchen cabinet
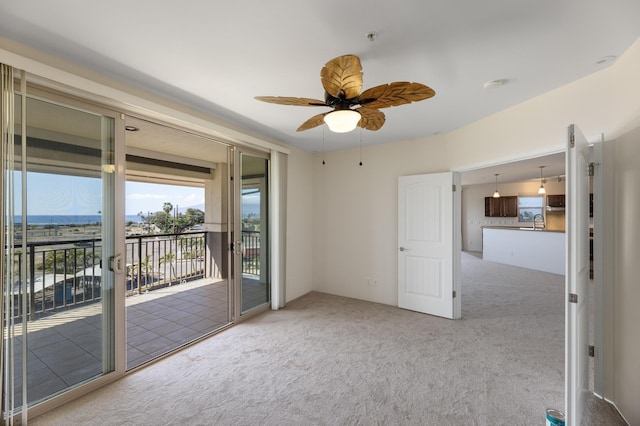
x: 555, y: 200
x: 501, y: 207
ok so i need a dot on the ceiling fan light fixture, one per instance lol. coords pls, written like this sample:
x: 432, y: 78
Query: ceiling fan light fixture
x: 342, y: 120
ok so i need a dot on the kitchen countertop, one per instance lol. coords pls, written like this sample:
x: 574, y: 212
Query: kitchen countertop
x: 521, y: 228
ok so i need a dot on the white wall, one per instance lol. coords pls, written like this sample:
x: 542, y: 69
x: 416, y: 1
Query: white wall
x: 299, y: 216
x: 355, y: 216
x: 626, y: 270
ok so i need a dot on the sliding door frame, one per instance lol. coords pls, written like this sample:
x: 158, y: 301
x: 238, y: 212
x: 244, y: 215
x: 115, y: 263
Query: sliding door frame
x: 236, y: 245
x: 52, y: 96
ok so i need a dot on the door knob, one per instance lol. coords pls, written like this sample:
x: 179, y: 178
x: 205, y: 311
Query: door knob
x: 403, y: 249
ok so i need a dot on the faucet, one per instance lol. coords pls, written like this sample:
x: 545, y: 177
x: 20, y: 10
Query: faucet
x: 534, y: 221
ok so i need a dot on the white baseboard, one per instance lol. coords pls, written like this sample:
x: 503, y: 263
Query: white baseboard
x: 614, y: 406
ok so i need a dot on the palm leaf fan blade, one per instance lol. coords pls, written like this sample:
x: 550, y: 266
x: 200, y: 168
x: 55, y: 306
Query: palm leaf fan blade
x: 342, y: 77
x: 395, y: 94
x: 286, y: 100
x: 370, y: 119
x: 314, y: 121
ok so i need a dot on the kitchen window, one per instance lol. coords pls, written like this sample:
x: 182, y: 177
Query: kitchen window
x: 529, y: 206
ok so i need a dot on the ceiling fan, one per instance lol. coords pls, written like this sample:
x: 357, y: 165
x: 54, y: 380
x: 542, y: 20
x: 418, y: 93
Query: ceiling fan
x: 341, y: 78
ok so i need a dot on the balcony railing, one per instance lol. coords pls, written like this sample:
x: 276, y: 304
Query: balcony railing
x: 163, y: 260
x: 64, y: 274
x: 251, y: 252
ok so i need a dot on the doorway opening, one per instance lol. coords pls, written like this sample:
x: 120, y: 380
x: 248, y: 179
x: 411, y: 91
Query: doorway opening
x: 530, y: 285
x: 177, y: 283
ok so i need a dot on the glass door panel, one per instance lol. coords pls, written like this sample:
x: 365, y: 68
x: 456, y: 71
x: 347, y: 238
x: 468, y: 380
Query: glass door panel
x: 177, y: 287
x: 255, y: 275
x: 60, y: 321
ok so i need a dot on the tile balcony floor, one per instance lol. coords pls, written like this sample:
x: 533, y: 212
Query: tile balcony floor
x: 65, y: 348
x: 165, y: 319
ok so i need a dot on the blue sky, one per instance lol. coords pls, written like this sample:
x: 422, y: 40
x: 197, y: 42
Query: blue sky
x: 148, y: 197
x: 53, y: 194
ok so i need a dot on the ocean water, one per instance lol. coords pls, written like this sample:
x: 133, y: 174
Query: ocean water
x: 43, y: 219
x: 69, y: 219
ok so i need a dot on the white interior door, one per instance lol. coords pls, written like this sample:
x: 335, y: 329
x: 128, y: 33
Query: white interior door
x: 577, y: 217
x: 429, y: 244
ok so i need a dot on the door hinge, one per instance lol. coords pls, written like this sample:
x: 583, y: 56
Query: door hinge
x: 454, y: 294
x: 592, y: 351
x: 572, y: 139
x: 454, y: 187
x: 592, y: 169
x: 573, y: 298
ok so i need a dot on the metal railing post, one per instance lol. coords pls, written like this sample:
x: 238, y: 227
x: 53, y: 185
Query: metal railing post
x: 139, y: 265
x: 32, y: 282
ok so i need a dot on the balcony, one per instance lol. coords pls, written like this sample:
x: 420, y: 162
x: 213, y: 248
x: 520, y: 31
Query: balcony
x: 169, y: 302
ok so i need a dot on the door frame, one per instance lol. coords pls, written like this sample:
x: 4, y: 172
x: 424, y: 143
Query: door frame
x: 235, y: 220
x: 600, y: 366
x: 578, y: 161
x: 61, y: 98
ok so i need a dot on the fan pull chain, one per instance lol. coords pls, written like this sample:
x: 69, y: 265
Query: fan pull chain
x: 361, y: 146
x: 323, y: 163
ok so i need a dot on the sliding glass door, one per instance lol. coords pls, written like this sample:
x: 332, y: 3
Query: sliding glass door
x: 252, y: 225
x: 58, y: 295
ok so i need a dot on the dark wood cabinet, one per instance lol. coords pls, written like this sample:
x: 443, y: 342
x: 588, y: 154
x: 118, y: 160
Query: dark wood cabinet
x: 555, y: 200
x: 501, y: 207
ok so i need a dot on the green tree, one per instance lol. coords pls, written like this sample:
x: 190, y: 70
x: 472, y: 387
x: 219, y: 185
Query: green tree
x: 169, y: 223
x: 194, y: 216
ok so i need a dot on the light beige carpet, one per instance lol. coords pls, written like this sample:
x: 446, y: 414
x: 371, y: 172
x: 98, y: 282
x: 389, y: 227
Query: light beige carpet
x: 328, y: 360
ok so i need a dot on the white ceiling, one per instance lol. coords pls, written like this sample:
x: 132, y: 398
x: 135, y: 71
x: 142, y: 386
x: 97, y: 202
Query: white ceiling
x: 216, y: 56
x: 518, y: 171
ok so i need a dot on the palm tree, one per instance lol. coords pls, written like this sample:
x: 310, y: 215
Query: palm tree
x: 141, y: 270
x: 169, y: 258
x: 144, y: 266
x: 167, y: 207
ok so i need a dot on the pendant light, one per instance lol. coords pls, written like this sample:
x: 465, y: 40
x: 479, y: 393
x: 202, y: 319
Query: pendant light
x: 541, y: 190
x: 496, y: 194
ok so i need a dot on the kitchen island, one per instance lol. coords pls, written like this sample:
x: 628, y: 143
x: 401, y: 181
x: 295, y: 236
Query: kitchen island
x: 539, y: 249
